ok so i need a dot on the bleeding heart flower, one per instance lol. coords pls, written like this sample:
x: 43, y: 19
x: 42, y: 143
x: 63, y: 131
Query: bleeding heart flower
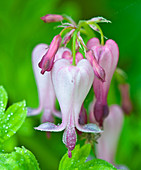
x: 107, y: 143
x: 107, y: 57
x: 71, y: 85
x: 45, y: 87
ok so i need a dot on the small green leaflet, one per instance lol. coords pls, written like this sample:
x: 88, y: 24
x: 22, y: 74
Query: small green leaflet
x: 11, y: 119
x: 78, y: 160
x: 21, y: 159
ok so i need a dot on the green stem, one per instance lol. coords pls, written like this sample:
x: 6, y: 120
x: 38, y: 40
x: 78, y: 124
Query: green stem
x: 73, y: 46
x: 93, y: 150
x: 102, y: 36
x: 66, y: 29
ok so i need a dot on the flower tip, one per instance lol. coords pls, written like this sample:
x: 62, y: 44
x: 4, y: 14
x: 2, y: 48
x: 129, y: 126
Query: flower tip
x: 40, y: 64
x: 101, y: 111
x: 69, y: 154
x: 42, y: 71
x: 43, y: 18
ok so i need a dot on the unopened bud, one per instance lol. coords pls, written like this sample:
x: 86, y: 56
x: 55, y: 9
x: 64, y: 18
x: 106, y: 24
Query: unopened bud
x: 47, y: 61
x: 52, y: 18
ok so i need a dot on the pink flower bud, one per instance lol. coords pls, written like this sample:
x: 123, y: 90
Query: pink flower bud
x: 52, y: 18
x: 78, y: 57
x: 47, y: 61
x: 67, y: 55
x: 98, y: 70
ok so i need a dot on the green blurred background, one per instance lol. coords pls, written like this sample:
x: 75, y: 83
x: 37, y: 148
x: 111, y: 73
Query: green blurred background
x: 21, y: 29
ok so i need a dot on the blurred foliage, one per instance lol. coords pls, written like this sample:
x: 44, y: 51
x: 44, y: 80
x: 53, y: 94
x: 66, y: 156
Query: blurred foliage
x: 21, y: 29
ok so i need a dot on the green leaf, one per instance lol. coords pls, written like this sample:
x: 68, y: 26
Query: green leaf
x: 78, y: 160
x: 20, y: 159
x: 3, y: 100
x: 97, y: 164
x: 12, y: 119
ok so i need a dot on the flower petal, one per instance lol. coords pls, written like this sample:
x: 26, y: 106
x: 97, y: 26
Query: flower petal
x: 33, y: 112
x: 47, y: 116
x: 88, y: 128
x: 78, y: 57
x: 69, y: 139
x: 71, y: 84
x: 44, y: 83
x: 82, y: 116
x: 60, y: 53
x: 92, y: 43
x: 51, y: 127
x: 107, y: 143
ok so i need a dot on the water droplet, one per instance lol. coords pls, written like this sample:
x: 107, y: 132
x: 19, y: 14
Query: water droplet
x: 8, y: 135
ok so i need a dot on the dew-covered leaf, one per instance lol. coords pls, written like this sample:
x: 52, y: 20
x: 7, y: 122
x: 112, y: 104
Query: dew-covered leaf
x: 3, y: 100
x: 78, y: 160
x: 21, y: 159
x: 79, y: 156
x: 11, y: 119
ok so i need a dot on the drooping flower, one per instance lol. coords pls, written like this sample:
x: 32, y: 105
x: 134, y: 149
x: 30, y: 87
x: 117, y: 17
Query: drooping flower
x: 107, y: 57
x: 52, y: 18
x: 47, y: 61
x: 45, y: 88
x: 46, y: 92
x: 71, y: 84
x: 107, y: 143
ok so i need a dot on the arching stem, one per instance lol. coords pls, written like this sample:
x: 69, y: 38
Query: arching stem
x: 74, y: 46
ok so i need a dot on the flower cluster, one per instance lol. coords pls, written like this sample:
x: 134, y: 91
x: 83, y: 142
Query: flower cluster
x: 68, y: 76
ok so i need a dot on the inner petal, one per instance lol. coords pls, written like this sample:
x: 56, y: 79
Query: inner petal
x: 69, y: 136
